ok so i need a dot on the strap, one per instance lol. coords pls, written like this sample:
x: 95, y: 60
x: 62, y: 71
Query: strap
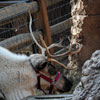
x: 39, y: 85
x: 58, y: 76
x: 51, y: 89
x: 33, y: 66
x: 46, y: 78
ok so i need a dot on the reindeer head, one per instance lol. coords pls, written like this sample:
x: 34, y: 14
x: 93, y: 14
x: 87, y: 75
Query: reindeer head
x: 44, y: 65
x: 47, y: 75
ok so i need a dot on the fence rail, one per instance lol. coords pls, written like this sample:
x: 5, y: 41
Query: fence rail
x: 25, y: 39
x: 17, y: 9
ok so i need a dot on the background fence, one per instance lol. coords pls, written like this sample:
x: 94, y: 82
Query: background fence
x: 14, y: 21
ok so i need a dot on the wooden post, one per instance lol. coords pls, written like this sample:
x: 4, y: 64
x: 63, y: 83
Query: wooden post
x: 45, y: 22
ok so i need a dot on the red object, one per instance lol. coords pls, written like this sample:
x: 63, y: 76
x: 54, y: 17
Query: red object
x: 51, y: 81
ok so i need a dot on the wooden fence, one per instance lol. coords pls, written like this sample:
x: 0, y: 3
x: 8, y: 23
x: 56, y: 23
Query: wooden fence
x: 14, y: 20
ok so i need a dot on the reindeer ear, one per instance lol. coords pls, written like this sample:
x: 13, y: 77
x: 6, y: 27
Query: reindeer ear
x: 38, y: 61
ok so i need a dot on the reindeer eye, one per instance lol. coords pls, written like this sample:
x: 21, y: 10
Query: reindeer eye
x: 44, y: 64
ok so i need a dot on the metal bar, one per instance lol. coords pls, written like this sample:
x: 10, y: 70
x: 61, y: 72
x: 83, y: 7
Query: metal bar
x: 50, y: 97
x: 54, y: 96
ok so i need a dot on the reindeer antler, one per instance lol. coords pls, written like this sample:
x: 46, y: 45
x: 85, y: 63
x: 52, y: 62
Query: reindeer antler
x: 69, y: 52
x: 30, y: 24
x: 63, y: 54
x: 45, y: 48
x: 61, y: 64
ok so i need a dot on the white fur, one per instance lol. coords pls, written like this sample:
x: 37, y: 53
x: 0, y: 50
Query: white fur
x: 9, y: 55
x: 17, y: 78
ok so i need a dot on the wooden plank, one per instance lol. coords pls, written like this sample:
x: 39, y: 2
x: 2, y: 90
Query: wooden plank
x: 48, y: 2
x: 60, y: 27
x: 23, y: 39
x: 7, y: 3
x: 47, y: 35
x: 19, y: 41
x: 16, y: 9
x: 52, y: 2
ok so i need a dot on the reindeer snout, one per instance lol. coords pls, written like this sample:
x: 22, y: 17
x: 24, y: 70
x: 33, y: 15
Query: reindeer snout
x: 65, y: 85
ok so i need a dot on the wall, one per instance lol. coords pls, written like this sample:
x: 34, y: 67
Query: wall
x: 86, y: 26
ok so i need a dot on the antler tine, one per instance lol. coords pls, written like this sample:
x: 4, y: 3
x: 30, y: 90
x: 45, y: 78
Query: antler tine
x: 61, y: 64
x: 44, y: 44
x: 63, y: 54
x: 77, y: 51
x: 33, y: 37
x: 69, y: 52
x: 59, y: 45
x: 51, y: 46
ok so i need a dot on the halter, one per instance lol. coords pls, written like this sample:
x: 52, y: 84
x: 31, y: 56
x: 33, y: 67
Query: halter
x: 51, y: 81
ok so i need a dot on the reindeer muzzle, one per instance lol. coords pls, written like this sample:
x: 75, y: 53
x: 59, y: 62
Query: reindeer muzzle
x: 51, y: 81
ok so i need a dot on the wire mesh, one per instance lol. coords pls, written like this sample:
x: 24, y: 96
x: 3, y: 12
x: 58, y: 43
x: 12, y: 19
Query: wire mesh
x: 59, y: 12
x: 14, y: 26
x: 19, y: 24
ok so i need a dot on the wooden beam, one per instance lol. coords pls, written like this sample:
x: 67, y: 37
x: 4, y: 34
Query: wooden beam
x: 52, y: 2
x: 45, y: 22
x: 60, y: 27
x: 19, y: 41
x: 22, y: 40
x: 17, y: 9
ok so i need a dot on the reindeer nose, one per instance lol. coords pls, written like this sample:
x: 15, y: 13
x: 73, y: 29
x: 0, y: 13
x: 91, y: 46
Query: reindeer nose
x: 67, y: 85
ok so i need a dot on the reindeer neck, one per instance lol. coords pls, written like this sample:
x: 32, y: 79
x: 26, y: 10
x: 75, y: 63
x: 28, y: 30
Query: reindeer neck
x: 18, y: 94
x: 7, y: 55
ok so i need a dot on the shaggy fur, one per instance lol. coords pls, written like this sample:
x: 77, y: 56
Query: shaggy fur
x: 17, y: 78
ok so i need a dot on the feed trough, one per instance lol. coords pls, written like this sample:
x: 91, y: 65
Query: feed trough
x: 51, y: 97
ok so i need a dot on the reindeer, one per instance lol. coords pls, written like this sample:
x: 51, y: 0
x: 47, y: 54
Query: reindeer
x: 20, y: 75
